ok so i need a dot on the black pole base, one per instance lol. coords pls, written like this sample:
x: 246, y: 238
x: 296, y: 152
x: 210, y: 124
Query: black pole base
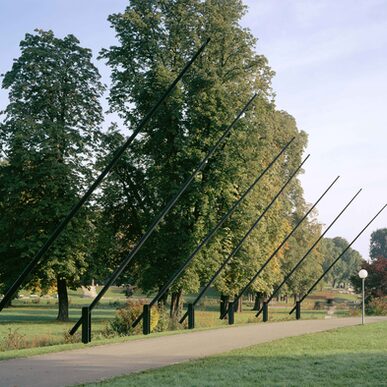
x: 230, y: 314
x: 146, y: 319
x: 298, y: 310
x: 265, y: 311
x: 191, y: 316
x: 86, y: 325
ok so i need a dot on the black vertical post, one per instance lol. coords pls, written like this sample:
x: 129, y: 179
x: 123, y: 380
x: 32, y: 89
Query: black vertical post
x: 265, y: 311
x: 86, y: 325
x: 191, y: 316
x: 146, y: 320
x: 231, y: 311
x: 298, y: 310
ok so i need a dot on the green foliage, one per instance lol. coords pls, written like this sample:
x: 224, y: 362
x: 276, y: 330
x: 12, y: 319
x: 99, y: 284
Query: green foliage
x: 305, y: 236
x: 50, y: 128
x: 378, y: 244
x: 125, y: 317
x: 347, y: 266
x: 155, y: 39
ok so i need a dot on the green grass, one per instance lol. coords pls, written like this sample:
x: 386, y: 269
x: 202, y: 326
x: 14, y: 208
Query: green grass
x: 353, y: 356
x: 36, y: 323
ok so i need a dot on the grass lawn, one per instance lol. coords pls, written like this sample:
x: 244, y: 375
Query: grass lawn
x: 32, y: 325
x: 353, y: 356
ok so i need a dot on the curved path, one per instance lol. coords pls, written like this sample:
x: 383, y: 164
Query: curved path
x: 106, y: 361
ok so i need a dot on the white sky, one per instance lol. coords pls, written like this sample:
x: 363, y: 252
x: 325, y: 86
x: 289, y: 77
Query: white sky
x: 331, y: 75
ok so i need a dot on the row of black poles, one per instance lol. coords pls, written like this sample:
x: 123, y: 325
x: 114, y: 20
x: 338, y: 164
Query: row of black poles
x: 62, y: 225
x: 239, y: 245
x: 297, y: 307
x: 129, y: 257
x: 277, y: 289
x: 247, y: 286
x: 204, y: 242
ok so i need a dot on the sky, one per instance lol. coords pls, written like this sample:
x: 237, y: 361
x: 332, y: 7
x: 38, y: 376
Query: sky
x: 331, y: 75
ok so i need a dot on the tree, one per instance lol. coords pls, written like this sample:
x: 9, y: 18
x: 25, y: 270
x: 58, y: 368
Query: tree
x: 376, y: 282
x: 348, y: 265
x: 155, y: 39
x: 378, y: 244
x: 308, y: 232
x: 48, y: 137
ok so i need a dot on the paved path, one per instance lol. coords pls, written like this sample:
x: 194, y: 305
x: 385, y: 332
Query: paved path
x: 96, y: 363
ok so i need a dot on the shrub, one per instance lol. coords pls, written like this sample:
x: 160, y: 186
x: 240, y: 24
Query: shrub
x: 13, y: 340
x: 377, y: 306
x: 125, y: 316
x: 71, y: 339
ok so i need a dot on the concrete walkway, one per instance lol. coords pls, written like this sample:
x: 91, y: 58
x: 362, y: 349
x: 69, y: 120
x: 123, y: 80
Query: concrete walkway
x: 102, y: 362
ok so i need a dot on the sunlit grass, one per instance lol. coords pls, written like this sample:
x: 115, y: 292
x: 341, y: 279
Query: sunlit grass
x: 353, y: 356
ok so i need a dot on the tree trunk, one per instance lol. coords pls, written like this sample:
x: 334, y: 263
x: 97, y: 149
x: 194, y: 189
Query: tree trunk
x: 224, y: 301
x: 163, y: 300
x: 258, y: 300
x: 175, y: 304
x: 239, y: 307
x: 63, y: 300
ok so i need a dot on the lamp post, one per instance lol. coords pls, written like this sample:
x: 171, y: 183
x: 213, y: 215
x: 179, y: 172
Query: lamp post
x: 363, y: 275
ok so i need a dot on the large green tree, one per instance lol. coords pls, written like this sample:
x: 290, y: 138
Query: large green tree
x: 48, y: 137
x: 156, y: 38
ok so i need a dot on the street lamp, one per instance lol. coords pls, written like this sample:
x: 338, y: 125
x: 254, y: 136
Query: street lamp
x: 363, y: 275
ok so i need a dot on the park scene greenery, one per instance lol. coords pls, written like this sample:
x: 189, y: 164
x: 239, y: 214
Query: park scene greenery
x: 54, y: 141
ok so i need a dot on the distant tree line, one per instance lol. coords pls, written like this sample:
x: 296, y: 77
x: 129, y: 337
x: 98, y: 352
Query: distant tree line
x: 52, y: 145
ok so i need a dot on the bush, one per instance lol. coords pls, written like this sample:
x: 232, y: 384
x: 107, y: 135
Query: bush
x: 13, y: 340
x: 377, y: 306
x: 71, y: 339
x: 125, y: 317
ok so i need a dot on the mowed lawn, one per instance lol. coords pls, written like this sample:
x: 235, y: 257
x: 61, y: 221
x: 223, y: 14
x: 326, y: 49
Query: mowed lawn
x: 353, y: 356
x: 31, y: 327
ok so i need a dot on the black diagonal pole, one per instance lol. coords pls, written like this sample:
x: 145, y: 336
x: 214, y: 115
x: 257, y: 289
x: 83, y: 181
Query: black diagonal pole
x: 165, y: 210
x: 177, y: 274
x: 278, y: 249
x: 337, y: 259
x: 277, y: 289
x: 239, y: 245
x: 62, y: 225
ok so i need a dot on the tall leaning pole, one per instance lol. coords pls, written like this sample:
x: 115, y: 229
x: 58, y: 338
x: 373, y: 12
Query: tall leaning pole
x: 85, y: 318
x: 297, y: 307
x: 118, y: 153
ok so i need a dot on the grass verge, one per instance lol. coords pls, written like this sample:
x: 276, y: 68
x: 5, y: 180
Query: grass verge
x: 355, y: 356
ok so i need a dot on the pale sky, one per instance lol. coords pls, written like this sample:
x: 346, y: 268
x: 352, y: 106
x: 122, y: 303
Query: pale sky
x: 331, y: 75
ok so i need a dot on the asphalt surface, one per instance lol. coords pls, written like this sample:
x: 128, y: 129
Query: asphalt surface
x: 102, y: 362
